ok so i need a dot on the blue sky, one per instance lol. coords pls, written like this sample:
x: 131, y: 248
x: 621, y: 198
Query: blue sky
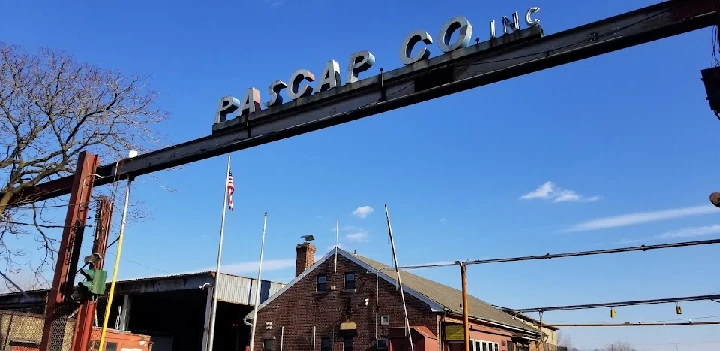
x: 616, y: 149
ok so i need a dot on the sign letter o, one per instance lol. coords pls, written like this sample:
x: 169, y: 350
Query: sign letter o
x: 447, y: 30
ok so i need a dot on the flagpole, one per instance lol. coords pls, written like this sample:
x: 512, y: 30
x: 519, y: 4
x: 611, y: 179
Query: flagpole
x: 400, y: 286
x: 211, y: 332
x: 259, y: 284
x: 337, y: 241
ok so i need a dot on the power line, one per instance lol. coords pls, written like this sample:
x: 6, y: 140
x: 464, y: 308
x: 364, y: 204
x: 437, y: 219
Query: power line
x: 570, y: 254
x: 144, y: 265
x: 47, y: 225
x: 618, y: 304
x: 663, y: 321
x: 638, y: 324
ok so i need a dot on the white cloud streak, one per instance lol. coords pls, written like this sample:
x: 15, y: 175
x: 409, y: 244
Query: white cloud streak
x: 640, y: 218
x: 550, y: 191
x: 363, y: 211
x: 682, y: 233
x: 690, y: 232
x: 359, y: 236
x: 241, y: 268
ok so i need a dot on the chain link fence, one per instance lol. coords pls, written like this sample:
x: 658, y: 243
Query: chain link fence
x: 22, y: 330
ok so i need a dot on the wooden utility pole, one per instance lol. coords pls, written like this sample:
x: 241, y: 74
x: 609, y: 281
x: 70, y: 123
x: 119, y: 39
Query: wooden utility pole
x: 466, y: 322
x: 86, y: 314
x: 65, y: 269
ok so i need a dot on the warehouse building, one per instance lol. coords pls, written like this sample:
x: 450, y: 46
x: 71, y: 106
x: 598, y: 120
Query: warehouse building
x: 173, y: 310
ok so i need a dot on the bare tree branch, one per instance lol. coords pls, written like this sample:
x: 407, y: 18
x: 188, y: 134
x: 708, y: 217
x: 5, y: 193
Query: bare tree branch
x: 51, y: 109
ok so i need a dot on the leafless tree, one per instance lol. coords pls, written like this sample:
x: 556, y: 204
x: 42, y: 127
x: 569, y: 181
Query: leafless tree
x: 620, y: 346
x: 564, y: 341
x: 52, y: 107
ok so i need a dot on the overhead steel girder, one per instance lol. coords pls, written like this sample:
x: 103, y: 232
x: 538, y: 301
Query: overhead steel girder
x: 460, y: 70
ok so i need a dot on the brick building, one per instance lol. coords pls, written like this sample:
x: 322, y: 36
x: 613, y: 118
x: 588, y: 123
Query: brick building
x: 358, y: 307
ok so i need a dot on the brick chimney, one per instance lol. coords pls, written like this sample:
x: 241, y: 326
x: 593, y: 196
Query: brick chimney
x: 305, y: 257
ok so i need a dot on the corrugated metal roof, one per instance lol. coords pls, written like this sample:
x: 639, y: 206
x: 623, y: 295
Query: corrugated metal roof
x: 231, y: 288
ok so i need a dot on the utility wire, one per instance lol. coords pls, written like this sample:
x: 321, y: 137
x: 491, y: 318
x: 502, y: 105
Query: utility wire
x: 47, y: 225
x: 556, y: 323
x: 570, y: 254
x: 144, y: 265
x: 617, y: 304
x: 43, y: 206
x: 638, y: 324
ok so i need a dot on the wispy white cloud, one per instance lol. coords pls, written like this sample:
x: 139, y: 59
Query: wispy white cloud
x: 550, y: 191
x: 240, y: 268
x: 443, y: 220
x: 691, y: 232
x: 640, y: 218
x: 359, y: 236
x: 682, y: 233
x: 363, y: 211
x: 274, y: 3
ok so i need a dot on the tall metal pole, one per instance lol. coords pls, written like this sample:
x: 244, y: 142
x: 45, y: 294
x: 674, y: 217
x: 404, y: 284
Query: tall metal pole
x: 337, y: 241
x: 466, y: 322
x: 111, y: 294
x: 397, y: 270
x: 257, y: 290
x: 86, y: 313
x: 63, y: 282
x: 540, y: 329
x: 211, y: 332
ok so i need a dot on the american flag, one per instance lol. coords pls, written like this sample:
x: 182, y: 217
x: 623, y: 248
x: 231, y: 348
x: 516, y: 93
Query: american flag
x: 230, y: 190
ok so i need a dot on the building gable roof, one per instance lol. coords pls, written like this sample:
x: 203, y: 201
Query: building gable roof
x: 438, y: 297
x: 451, y: 298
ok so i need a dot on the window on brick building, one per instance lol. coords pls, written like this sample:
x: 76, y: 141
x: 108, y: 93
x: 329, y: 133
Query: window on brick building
x: 325, y: 344
x: 348, y: 343
x: 349, y: 280
x: 267, y: 344
x: 321, y: 282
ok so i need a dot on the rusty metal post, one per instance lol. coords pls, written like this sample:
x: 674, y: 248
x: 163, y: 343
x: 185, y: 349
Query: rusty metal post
x: 63, y: 280
x: 86, y: 314
x: 466, y: 322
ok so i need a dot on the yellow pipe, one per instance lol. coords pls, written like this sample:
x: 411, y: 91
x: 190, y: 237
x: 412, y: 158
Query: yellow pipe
x: 115, y: 269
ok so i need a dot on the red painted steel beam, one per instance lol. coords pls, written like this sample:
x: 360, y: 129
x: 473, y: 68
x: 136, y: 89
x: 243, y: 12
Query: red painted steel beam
x: 63, y: 281
x: 464, y: 69
x: 86, y: 313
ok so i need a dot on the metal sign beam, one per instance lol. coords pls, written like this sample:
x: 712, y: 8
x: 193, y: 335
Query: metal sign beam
x: 510, y: 56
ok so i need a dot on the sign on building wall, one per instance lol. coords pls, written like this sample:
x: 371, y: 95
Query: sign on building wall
x: 454, y: 332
